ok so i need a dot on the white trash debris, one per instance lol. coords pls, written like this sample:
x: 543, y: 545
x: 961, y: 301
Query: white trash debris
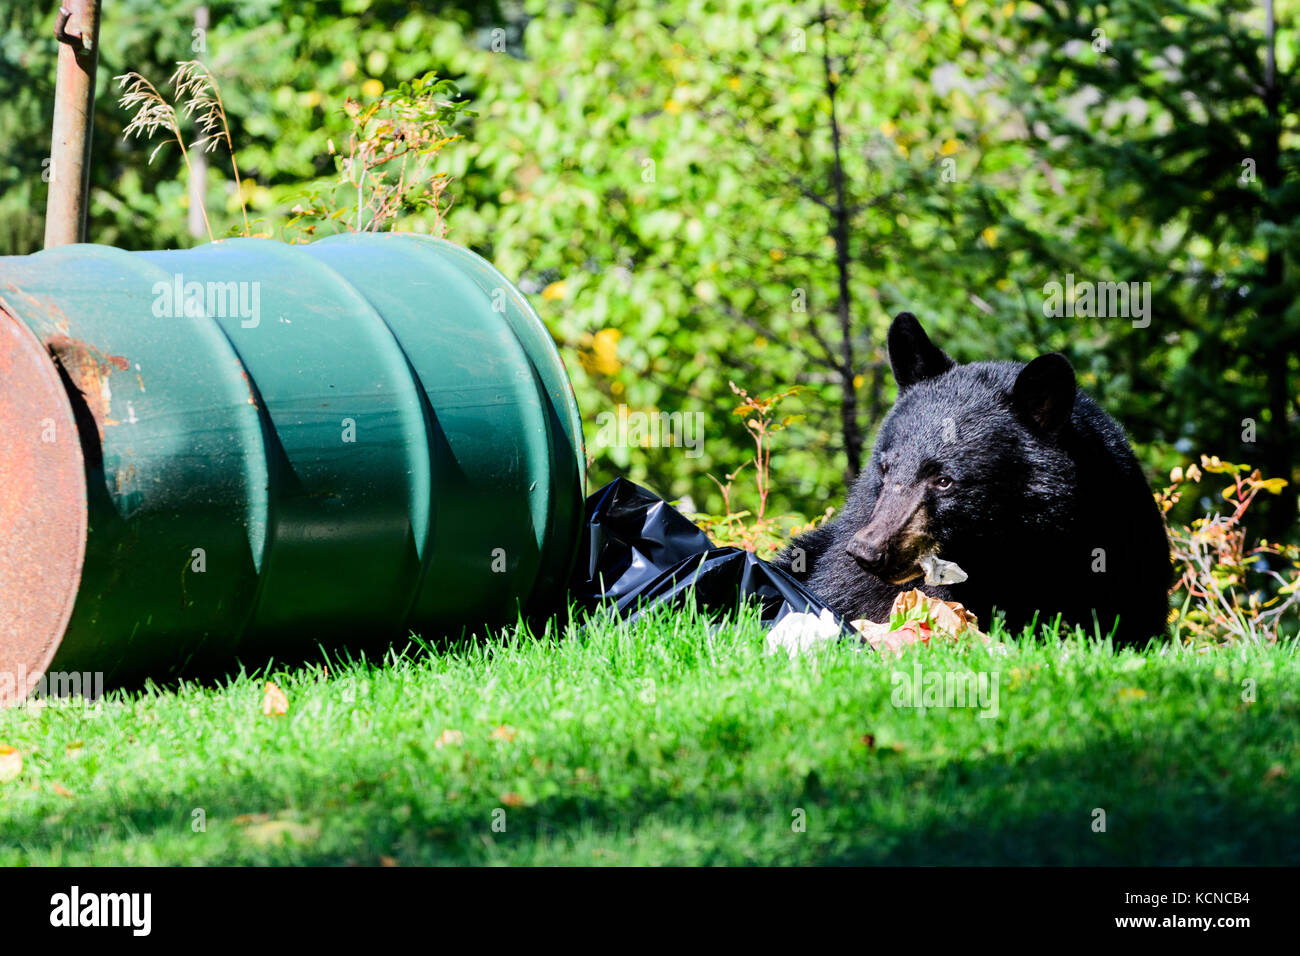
x: 939, y: 571
x: 798, y: 632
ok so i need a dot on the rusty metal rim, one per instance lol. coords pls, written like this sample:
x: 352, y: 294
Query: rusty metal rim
x: 43, y: 509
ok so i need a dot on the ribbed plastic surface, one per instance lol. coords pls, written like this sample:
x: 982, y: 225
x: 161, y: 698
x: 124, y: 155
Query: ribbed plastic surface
x: 284, y: 446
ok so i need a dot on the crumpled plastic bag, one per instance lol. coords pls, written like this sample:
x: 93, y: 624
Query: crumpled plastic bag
x: 638, y: 552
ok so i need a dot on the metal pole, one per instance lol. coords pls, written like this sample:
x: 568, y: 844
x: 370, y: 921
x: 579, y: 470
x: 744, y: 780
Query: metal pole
x: 77, y: 30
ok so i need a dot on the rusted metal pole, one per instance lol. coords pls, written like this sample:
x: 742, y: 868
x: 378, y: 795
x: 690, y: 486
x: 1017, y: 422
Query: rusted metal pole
x: 77, y: 30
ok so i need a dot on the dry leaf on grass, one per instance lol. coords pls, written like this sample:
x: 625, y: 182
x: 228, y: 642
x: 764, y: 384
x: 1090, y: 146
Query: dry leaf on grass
x: 505, y: 732
x: 449, y: 738
x: 11, y: 763
x: 274, y: 701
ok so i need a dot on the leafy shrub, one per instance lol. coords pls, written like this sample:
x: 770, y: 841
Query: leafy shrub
x: 1228, y: 589
x: 388, y: 170
x: 757, y: 531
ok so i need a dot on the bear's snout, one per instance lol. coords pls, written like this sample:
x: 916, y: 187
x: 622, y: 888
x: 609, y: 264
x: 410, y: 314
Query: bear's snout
x: 869, y: 550
x: 893, y: 541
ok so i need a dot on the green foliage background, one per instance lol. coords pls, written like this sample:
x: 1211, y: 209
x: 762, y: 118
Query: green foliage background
x: 664, y: 180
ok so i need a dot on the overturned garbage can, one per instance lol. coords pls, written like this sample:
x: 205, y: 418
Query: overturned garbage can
x: 252, y: 450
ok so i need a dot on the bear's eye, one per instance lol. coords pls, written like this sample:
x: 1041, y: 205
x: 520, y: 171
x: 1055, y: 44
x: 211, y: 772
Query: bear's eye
x: 943, y: 482
x: 884, y: 467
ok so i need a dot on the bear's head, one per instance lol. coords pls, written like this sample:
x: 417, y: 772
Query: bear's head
x: 970, y: 464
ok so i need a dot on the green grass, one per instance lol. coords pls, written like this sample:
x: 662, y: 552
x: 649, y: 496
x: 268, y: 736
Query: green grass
x: 664, y: 742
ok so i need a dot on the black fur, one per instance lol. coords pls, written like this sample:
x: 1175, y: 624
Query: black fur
x: 1044, y: 487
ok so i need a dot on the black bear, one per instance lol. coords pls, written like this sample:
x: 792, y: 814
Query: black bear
x: 1011, y: 473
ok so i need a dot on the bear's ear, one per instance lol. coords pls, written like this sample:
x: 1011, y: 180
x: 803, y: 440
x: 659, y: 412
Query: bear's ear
x: 1044, y: 393
x: 912, y: 355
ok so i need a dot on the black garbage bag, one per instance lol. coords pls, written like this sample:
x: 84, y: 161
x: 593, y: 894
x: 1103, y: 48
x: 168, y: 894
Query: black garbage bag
x: 639, y: 552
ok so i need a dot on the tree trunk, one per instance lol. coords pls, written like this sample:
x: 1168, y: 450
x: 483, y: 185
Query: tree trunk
x: 1281, y: 515
x: 849, y: 429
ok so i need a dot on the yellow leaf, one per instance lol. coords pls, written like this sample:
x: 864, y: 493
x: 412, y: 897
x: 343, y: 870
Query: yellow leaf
x: 556, y: 290
x: 948, y: 148
x: 274, y: 701
x: 599, y: 353
x: 1214, y: 465
x: 372, y: 87
x: 11, y: 763
x: 605, y: 347
x: 990, y: 236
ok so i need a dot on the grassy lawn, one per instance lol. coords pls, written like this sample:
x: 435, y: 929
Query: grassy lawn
x: 664, y: 742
